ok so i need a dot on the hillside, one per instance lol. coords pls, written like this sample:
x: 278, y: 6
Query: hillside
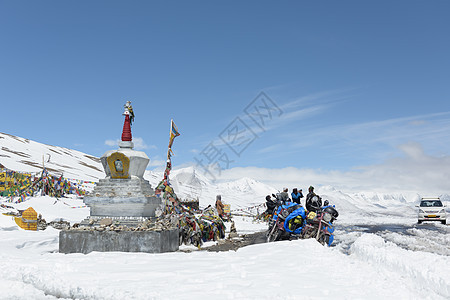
x: 23, y: 155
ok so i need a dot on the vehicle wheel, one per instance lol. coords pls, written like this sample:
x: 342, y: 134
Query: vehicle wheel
x: 271, y: 235
x: 277, y: 235
x: 309, y: 233
x: 272, y: 223
x: 269, y: 230
x: 324, y: 239
x: 419, y: 222
x: 444, y: 222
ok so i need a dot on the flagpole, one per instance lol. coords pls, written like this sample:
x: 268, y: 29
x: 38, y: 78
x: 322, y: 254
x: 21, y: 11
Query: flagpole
x: 167, y: 172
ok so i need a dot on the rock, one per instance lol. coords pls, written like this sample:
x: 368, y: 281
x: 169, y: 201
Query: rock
x: 221, y: 242
x: 233, y: 235
x: 106, y: 222
x: 233, y: 227
x: 61, y: 224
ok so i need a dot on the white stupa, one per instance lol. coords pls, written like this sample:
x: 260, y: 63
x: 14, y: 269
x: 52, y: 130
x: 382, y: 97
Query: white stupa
x: 124, y: 192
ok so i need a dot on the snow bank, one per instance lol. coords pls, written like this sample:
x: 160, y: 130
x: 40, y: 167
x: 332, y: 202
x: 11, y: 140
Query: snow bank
x: 288, y: 270
x: 70, y: 209
x: 427, y: 272
x: 31, y: 267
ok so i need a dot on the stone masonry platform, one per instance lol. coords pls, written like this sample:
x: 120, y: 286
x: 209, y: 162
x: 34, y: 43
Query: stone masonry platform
x: 86, y: 241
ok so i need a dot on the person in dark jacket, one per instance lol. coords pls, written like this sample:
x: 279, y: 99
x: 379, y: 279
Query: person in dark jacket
x: 285, y: 196
x: 271, y: 204
x: 296, y: 195
x: 313, y: 201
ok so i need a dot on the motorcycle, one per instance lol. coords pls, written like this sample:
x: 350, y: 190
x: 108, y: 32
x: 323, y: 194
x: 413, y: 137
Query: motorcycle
x: 287, y: 219
x: 319, y: 225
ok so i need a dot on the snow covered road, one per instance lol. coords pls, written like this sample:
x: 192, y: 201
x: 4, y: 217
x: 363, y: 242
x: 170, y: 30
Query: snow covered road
x: 427, y: 237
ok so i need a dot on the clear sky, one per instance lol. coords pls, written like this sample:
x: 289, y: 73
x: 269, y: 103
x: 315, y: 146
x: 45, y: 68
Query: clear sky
x: 355, y: 83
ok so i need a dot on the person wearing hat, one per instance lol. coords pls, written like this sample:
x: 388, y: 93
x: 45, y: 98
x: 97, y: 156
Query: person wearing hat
x: 219, y: 206
x: 310, y: 193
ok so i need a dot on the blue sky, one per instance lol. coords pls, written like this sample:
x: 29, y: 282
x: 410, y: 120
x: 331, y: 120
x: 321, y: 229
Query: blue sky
x: 355, y: 81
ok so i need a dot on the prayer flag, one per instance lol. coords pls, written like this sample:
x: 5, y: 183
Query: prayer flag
x: 173, y: 133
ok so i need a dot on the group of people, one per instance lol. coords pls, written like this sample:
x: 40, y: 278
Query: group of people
x: 312, y: 202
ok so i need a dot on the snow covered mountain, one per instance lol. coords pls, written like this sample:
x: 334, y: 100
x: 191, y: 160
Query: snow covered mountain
x: 23, y: 155
x: 190, y: 183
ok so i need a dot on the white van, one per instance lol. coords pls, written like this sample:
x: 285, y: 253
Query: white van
x: 431, y: 209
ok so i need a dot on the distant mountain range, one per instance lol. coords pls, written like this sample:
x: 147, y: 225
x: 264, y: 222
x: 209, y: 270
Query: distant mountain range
x: 20, y: 154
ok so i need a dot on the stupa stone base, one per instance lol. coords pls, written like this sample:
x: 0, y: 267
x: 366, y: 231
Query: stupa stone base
x: 81, y: 241
x: 132, y: 197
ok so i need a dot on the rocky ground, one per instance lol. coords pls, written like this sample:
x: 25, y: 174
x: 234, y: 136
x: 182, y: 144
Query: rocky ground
x: 238, y: 242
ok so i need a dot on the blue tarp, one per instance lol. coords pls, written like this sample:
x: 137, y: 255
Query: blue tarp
x: 298, y: 212
x: 284, y: 206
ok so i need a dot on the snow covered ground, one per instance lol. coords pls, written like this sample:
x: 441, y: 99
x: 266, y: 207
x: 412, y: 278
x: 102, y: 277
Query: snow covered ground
x: 379, y: 251
x: 361, y: 265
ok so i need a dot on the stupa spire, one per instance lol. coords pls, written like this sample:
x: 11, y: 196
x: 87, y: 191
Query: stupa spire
x: 126, y: 132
